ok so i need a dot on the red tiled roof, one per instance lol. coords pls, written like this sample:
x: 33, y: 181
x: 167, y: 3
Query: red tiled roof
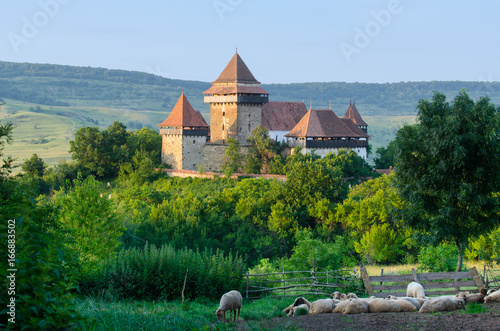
x: 321, y: 123
x: 183, y: 115
x: 234, y: 89
x: 236, y: 71
x: 354, y: 128
x: 282, y: 115
x: 353, y: 114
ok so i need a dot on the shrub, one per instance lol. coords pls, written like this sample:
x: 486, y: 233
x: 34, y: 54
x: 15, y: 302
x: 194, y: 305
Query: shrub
x: 158, y: 273
x: 442, y: 258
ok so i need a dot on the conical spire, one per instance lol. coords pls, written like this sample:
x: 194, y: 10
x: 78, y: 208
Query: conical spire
x: 184, y: 115
x: 236, y: 71
x: 353, y: 114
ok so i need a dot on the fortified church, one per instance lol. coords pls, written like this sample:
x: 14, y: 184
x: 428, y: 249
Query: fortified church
x: 238, y: 104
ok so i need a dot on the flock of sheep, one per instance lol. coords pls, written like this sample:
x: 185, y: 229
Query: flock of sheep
x: 415, y: 300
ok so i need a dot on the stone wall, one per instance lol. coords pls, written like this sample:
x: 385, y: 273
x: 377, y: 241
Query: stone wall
x: 213, y: 156
x: 192, y: 148
x: 171, y: 150
x: 249, y: 117
x: 223, y: 122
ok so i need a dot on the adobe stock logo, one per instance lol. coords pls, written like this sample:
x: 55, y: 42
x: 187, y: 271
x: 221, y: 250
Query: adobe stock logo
x: 364, y: 36
x: 223, y: 6
x: 31, y: 26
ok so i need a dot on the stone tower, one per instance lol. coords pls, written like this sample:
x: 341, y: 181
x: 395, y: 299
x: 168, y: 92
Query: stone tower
x: 184, y: 134
x: 236, y: 100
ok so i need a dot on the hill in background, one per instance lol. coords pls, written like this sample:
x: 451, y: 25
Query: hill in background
x: 48, y: 103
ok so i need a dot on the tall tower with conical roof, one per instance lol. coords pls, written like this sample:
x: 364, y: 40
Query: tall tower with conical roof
x: 236, y: 100
x: 353, y: 114
x: 184, y: 134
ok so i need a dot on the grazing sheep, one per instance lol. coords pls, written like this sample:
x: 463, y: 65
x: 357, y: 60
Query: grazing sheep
x: 442, y: 304
x: 299, y: 301
x: 339, y: 307
x: 322, y: 306
x: 293, y: 311
x: 415, y: 290
x: 492, y: 297
x: 383, y: 306
x: 352, y: 296
x: 336, y: 295
x: 413, y: 301
x: 356, y: 306
x: 229, y: 301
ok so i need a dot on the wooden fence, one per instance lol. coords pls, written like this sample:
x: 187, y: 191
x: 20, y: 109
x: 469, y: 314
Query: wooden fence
x: 299, y: 283
x: 434, y: 283
x: 491, y: 277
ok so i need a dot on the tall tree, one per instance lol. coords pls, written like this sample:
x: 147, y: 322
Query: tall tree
x: 385, y: 156
x: 261, y: 151
x: 448, y: 169
x: 232, y: 157
x: 34, y: 166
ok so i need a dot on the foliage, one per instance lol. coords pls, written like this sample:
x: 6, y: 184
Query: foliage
x: 261, y: 151
x: 448, y: 169
x: 485, y: 247
x: 34, y: 166
x: 369, y: 214
x: 102, y: 152
x: 5, y: 138
x: 90, y: 218
x: 158, y: 273
x: 145, y: 141
x: 441, y: 258
x: 139, y: 170
x: 44, y: 280
x: 385, y: 156
x: 231, y: 162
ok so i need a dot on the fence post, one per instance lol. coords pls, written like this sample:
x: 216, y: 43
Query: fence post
x: 381, y: 274
x: 248, y: 281
x: 283, y: 277
x: 477, y: 279
x: 366, y: 281
x: 314, y: 276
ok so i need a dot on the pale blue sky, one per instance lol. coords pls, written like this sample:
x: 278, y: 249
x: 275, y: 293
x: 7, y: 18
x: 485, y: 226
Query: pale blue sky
x: 281, y: 41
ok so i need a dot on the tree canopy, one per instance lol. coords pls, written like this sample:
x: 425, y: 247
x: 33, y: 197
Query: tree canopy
x: 448, y: 169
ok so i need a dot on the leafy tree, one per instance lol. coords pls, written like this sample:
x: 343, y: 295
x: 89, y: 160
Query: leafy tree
x: 231, y: 162
x: 101, y: 152
x: 385, y: 156
x: 139, y: 170
x: 34, y: 166
x: 90, y: 218
x: 5, y: 138
x: 261, y: 151
x: 448, y: 169
x: 146, y: 140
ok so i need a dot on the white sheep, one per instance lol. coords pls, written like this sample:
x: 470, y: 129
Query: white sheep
x: 293, y: 311
x: 343, y: 297
x: 229, y: 301
x: 383, y: 306
x: 446, y: 303
x: 492, y: 290
x: 492, y: 297
x: 339, y: 307
x: 352, y: 296
x: 322, y: 306
x: 413, y: 301
x: 415, y: 290
x: 356, y: 306
x: 298, y: 301
x: 406, y: 306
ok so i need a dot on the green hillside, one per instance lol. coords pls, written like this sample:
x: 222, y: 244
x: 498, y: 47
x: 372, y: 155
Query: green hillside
x: 48, y: 103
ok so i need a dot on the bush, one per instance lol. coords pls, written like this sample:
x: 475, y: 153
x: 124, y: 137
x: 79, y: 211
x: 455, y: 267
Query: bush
x: 442, y: 258
x: 158, y: 273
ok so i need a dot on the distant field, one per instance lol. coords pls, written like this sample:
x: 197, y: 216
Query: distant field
x: 47, y: 130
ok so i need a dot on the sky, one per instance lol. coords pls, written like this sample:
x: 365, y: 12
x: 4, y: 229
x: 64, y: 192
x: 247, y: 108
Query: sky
x: 289, y: 41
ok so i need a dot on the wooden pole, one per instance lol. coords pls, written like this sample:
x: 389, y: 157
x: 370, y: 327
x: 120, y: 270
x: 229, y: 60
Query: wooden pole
x: 381, y: 274
x: 366, y: 281
x: 248, y: 281
x: 283, y: 277
x: 184, y: 287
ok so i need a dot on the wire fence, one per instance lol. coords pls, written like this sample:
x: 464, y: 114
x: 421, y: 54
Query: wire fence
x: 491, y: 277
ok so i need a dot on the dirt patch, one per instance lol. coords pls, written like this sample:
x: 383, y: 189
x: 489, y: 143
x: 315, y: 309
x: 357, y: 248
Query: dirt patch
x: 456, y: 320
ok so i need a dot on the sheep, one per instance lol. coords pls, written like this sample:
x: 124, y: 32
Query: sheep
x: 413, y: 301
x: 343, y: 297
x: 406, y: 306
x: 442, y: 304
x: 339, y: 307
x: 322, y: 306
x: 492, y: 290
x: 293, y: 311
x: 229, y: 301
x: 415, y: 290
x: 356, y: 306
x: 352, y: 296
x: 298, y: 301
x: 472, y: 297
x: 492, y: 297
x: 383, y: 306
x: 336, y: 295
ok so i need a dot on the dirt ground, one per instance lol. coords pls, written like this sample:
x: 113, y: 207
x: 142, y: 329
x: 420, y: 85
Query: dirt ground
x: 456, y: 320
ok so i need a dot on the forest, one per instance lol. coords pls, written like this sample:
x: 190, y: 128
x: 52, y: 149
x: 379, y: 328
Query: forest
x: 112, y: 224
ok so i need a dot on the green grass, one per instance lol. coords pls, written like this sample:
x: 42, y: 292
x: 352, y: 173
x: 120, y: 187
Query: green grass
x: 193, y: 315
x: 475, y: 308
